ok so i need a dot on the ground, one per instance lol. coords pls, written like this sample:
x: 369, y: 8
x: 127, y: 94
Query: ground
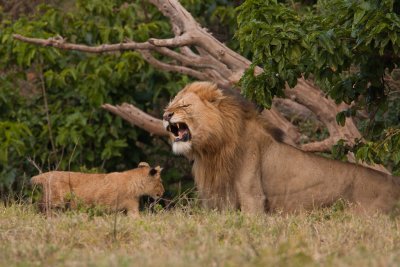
x: 190, y: 236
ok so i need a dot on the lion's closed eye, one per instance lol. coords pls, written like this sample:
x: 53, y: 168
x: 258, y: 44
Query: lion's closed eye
x: 184, y: 106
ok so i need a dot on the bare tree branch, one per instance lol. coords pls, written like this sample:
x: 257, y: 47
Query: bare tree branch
x: 319, y: 146
x: 179, y: 16
x: 293, y: 109
x: 182, y: 40
x: 168, y: 67
x: 307, y: 94
x: 137, y: 117
x: 274, y: 117
x: 59, y: 42
x: 184, y: 22
x: 194, y: 60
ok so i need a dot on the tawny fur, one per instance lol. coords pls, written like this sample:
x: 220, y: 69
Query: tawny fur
x: 238, y: 163
x: 115, y: 191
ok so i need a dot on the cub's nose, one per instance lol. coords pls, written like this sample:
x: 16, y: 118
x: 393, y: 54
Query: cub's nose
x: 168, y: 115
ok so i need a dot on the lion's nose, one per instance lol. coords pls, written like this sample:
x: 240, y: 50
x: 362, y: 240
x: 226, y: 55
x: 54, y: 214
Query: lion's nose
x: 167, y: 116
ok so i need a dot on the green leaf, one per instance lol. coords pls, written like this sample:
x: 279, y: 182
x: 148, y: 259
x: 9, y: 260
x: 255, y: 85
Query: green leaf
x: 341, y: 118
x: 362, y: 153
x: 396, y: 157
x: 358, y: 16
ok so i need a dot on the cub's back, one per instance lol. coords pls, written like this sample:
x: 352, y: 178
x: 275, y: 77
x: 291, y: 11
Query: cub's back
x: 126, y: 177
x: 66, y: 179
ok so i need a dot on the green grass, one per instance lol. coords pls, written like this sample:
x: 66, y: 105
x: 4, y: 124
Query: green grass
x: 188, y: 236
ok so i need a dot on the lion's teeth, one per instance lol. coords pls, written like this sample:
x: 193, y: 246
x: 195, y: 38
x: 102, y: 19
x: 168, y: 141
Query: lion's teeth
x: 178, y: 125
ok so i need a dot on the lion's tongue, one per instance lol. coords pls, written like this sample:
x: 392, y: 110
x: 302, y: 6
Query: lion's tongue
x: 183, y: 135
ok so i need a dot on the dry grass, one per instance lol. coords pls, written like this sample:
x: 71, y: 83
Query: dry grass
x: 194, y: 237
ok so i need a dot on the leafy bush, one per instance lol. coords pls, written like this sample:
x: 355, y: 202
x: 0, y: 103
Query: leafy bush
x: 50, y: 100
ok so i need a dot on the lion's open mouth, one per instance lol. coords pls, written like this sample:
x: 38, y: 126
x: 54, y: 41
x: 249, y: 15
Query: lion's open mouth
x: 180, y: 130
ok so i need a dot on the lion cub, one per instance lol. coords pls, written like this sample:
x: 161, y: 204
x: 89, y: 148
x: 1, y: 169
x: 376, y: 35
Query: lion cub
x: 115, y: 191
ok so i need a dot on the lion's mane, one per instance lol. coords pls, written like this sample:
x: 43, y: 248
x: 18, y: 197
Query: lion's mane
x: 217, y: 141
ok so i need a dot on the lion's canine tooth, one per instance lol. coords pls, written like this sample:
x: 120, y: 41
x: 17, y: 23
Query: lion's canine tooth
x: 178, y: 124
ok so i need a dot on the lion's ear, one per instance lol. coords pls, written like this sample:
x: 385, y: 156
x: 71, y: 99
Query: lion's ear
x: 215, y: 96
x: 216, y: 101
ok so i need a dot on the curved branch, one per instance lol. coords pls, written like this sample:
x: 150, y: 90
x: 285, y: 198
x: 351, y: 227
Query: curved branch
x: 218, y: 78
x: 180, y: 18
x: 151, y: 44
x: 293, y: 109
x: 292, y: 135
x: 319, y: 146
x: 184, y: 22
x: 60, y: 43
x: 325, y: 109
x: 137, y: 117
x: 194, y: 60
x: 181, y: 40
x: 168, y: 67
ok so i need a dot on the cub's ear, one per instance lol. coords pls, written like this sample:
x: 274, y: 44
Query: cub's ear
x: 143, y: 164
x: 153, y: 172
x: 158, y: 168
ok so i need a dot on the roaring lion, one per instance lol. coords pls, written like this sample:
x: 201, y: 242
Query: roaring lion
x: 240, y: 162
x: 115, y: 191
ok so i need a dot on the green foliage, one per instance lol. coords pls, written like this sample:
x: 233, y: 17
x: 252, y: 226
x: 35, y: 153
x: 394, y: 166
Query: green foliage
x: 347, y: 46
x: 324, y: 42
x: 385, y: 151
x: 50, y: 100
x: 11, y: 135
x: 340, y: 150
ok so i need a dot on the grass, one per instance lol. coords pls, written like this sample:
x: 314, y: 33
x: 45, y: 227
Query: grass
x: 189, y: 236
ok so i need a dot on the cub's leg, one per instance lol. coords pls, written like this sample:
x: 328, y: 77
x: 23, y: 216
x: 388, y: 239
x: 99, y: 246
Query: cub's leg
x: 249, y: 186
x: 132, y: 207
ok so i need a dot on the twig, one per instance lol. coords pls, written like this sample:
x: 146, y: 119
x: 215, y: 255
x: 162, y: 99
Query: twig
x: 46, y: 107
x: 115, y: 220
x: 73, y: 152
x: 31, y: 161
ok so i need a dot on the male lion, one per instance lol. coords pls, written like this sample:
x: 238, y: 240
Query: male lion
x: 239, y: 162
x: 116, y: 191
